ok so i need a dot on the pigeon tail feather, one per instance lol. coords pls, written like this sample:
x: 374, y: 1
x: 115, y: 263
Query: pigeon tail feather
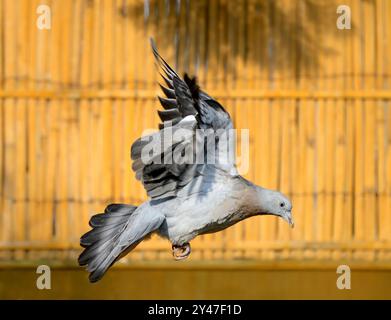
x: 100, y: 242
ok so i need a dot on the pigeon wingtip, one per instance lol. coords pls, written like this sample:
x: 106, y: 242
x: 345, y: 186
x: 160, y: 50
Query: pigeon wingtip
x: 153, y: 46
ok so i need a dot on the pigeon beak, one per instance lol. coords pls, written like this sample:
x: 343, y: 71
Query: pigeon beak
x: 289, y: 219
x: 291, y: 222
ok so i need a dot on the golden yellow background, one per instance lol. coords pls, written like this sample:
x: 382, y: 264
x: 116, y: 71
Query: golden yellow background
x: 316, y: 100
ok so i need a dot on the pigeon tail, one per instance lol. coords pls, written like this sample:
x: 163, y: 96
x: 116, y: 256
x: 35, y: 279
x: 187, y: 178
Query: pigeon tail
x: 100, y: 251
x: 114, y: 234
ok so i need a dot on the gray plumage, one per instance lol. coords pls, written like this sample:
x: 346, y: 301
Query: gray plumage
x: 185, y: 199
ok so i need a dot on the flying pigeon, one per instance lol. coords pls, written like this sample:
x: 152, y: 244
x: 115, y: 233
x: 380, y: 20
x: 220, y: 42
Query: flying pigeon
x: 186, y: 198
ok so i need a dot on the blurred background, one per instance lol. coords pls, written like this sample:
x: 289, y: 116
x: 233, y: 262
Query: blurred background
x: 316, y: 100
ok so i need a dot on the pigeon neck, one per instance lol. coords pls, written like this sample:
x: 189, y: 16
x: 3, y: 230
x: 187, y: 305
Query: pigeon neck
x: 253, y: 198
x: 258, y: 200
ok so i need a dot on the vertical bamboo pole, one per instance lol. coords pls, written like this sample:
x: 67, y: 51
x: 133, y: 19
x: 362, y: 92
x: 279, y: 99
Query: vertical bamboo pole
x: 359, y: 211
x: 10, y: 56
x: 369, y: 139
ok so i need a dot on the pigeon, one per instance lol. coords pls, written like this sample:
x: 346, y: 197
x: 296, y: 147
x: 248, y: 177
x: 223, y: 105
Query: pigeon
x: 190, y: 193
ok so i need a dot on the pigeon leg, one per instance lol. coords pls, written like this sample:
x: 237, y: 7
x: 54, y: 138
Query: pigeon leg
x: 181, y: 252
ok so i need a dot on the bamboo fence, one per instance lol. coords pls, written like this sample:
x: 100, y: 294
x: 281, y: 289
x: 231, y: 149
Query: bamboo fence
x: 315, y: 98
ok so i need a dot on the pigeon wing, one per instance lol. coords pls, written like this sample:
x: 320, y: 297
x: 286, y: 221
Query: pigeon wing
x: 185, y: 107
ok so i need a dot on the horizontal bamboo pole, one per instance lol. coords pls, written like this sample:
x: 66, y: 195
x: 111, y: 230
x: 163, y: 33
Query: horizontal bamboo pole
x: 238, y: 245
x: 210, y: 265
x: 138, y: 200
x: 232, y: 94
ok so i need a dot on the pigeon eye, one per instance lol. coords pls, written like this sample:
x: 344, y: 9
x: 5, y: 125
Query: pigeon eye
x: 282, y: 204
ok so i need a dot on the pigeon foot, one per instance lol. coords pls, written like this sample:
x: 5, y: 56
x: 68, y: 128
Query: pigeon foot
x: 181, y: 252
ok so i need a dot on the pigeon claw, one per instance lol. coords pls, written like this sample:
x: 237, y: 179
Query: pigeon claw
x: 181, y: 252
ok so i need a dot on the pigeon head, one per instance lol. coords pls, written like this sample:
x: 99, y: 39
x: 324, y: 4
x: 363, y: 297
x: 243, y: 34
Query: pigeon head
x: 275, y: 203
